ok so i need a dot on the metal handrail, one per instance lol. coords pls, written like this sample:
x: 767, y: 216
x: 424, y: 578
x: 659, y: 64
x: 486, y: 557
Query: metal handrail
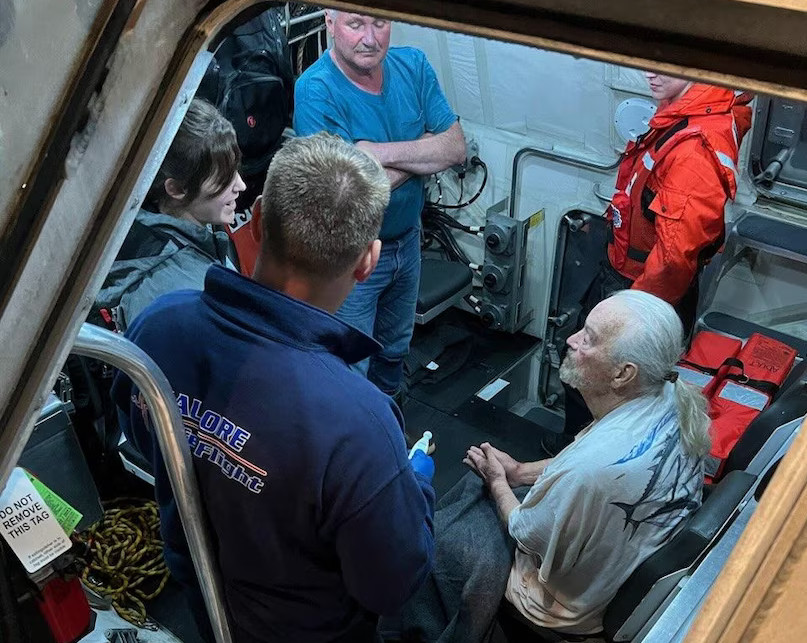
x: 114, y: 349
x: 306, y: 17
x: 557, y: 157
x: 313, y: 31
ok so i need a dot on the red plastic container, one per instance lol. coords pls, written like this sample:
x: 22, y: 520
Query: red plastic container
x: 66, y: 610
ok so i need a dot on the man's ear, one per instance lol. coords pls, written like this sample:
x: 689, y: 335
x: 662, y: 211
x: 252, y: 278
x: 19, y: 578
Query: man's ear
x: 368, y: 261
x: 256, y: 222
x: 626, y: 373
x: 174, y: 189
x: 330, y: 14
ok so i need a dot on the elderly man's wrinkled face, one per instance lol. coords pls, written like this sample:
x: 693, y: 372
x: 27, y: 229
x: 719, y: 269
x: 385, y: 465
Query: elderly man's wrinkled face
x: 588, y: 366
x: 359, y: 42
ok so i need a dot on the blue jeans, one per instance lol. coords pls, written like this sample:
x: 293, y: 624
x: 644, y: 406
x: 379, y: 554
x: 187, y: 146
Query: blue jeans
x: 383, y: 307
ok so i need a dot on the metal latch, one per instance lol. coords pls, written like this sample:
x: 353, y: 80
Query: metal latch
x: 576, y: 223
x: 127, y: 635
x: 559, y: 321
x: 64, y: 391
x: 552, y: 356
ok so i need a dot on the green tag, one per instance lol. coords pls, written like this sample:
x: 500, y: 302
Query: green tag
x: 66, y: 516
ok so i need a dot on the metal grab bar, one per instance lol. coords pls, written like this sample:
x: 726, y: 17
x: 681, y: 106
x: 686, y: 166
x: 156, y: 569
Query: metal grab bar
x: 551, y: 155
x: 114, y: 349
x: 313, y: 31
x: 306, y: 17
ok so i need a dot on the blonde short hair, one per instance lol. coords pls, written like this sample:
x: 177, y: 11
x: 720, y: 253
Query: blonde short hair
x: 323, y: 202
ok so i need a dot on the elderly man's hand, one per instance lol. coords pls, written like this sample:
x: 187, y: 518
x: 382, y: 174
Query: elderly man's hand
x: 512, y: 467
x: 483, y: 462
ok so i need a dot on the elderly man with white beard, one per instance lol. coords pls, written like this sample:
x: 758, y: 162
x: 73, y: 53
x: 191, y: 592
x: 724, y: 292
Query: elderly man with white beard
x: 604, y: 504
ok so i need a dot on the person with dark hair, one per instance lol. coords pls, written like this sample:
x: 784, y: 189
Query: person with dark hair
x: 171, y: 243
x: 322, y: 521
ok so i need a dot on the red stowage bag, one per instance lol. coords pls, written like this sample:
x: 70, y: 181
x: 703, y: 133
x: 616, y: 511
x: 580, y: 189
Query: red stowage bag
x: 704, y: 363
x: 752, y: 380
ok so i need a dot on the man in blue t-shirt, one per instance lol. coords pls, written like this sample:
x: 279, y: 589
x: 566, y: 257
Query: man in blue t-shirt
x: 387, y: 102
x: 320, y: 520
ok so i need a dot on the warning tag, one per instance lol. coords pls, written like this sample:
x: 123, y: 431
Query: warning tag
x: 65, y: 514
x: 536, y: 219
x: 28, y: 525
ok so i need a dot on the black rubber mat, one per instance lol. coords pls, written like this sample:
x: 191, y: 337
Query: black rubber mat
x: 545, y: 419
x: 451, y: 438
x: 453, y: 435
x: 521, y: 438
x: 171, y: 610
x: 493, y: 353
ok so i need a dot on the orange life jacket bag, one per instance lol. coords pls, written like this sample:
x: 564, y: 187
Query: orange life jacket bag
x: 738, y: 382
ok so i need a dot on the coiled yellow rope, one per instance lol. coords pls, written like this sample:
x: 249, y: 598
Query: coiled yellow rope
x: 126, y: 562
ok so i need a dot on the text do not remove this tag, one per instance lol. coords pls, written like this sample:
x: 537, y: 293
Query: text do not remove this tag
x: 28, y: 525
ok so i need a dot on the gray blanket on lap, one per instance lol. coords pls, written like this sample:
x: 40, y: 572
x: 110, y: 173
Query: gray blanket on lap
x: 473, y: 555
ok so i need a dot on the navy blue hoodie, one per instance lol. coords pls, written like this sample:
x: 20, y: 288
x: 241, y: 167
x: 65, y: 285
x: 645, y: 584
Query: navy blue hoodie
x: 320, y: 522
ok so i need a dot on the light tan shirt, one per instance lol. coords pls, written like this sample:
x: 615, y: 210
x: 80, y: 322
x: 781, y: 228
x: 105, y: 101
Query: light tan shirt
x: 607, y: 501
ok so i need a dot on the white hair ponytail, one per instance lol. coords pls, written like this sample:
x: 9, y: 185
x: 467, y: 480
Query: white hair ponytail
x: 693, y: 420
x: 654, y: 342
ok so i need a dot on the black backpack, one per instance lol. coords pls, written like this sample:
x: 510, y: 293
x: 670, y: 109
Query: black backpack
x: 251, y: 81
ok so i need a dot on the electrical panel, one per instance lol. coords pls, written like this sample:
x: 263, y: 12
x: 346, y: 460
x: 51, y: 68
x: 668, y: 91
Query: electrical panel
x: 504, y: 270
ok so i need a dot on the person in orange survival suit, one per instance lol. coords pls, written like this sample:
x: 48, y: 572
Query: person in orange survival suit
x: 666, y: 217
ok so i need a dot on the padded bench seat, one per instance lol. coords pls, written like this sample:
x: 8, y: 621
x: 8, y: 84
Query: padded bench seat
x: 775, y: 235
x: 653, y: 580
x: 442, y: 284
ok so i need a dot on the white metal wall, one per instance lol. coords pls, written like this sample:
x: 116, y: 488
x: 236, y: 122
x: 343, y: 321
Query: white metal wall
x: 512, y: 96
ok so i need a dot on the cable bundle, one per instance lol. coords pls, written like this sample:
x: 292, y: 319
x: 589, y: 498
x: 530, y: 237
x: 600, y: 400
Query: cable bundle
x: 475, y: 162
x: 437, y: 227
x: 437, y: 223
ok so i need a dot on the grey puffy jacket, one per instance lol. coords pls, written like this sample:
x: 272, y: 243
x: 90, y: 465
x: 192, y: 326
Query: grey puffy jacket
x: 161, y: 254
